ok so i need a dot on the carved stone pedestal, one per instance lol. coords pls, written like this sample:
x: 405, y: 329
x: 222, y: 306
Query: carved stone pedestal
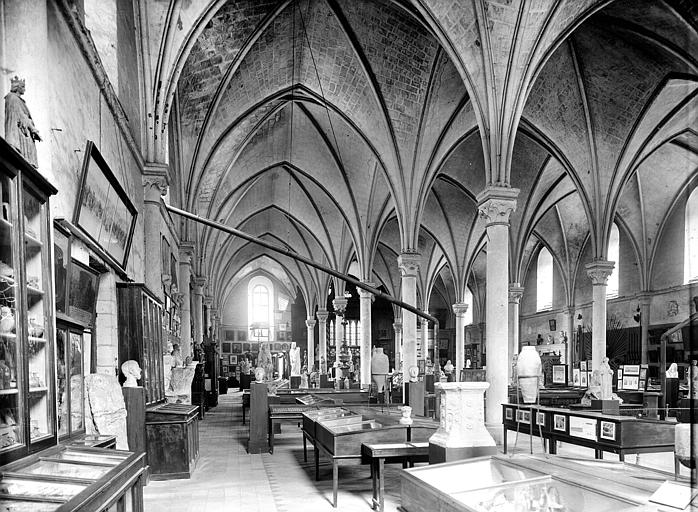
x: 462, y: 433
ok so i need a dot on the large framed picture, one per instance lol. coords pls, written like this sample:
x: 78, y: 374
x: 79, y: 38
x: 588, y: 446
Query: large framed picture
x: 631, y: 369
x: 103, y: 209
x: 82, y: 295
x: 560, y: 374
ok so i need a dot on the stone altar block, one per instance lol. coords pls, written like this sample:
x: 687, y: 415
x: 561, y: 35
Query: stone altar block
x: 462, y: 433
x: 179, y: 391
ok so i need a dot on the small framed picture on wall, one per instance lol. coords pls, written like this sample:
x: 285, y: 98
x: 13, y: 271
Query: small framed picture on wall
x: 233, y: 359
x: 552, y: 324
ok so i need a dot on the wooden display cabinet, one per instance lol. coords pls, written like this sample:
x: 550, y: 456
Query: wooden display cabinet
x: 27, y: 391
x: 141, y: 336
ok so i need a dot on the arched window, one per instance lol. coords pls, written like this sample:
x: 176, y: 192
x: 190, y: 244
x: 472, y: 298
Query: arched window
x: 260, y: 311
x: 613, y: 255
x: 469, y: 301
x: 260, y: 304
x: 690, y: 261
x: 544, y: 283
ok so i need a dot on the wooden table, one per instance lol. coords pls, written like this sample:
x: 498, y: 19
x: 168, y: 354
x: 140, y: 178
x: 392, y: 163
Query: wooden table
x: 279, y: 413
x: 379, y: 454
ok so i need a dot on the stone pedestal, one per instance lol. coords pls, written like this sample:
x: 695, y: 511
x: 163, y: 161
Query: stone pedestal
x: 462, y: 433
x: 414, y: 398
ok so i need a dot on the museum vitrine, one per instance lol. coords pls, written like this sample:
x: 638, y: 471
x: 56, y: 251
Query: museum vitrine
x: 27, y: 394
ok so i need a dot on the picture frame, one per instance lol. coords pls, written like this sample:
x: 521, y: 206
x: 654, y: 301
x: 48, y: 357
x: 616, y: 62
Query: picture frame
x: 421, y: 364
x: 509, y: 413
x: 229, y: 335
x: 583, y: 382
x: 540, y: 419
x: 246, y: 347
x: 631, y: 369
x: 242, y: 335
x: 227, y: 347
x: 607, y: 430
x: 233, y: 359
x: 224, y: 369
x: 237, y: 348
x: 82, y: 293
x: 576, y: 377
x: 642, y: 385
x: 643, y: 373
x: 631, y: 382
x: 443, y: 343
x: 560, y: 422
x: 583, y: 366
x: 560, y: 374
x: 103, y: 210
x: 552, y: 323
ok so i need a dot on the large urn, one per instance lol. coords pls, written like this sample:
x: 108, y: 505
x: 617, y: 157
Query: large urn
x: 528, y: 368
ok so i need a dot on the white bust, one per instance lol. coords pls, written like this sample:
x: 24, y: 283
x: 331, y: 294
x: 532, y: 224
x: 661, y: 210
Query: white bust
x: 132, y: 372
x: 414, y: 373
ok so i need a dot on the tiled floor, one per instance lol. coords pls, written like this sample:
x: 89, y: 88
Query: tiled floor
x: 227, y: 478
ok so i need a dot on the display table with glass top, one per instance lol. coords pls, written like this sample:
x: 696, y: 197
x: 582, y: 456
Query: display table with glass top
x: 73, y: 478
x: 532, y: 483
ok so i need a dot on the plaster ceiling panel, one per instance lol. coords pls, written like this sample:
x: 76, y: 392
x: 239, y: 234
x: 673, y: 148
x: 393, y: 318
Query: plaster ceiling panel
x: 619, y: 77
x: 263, y: 264
x: 446, y: 93
x: 558, y: 190
x: 527, y: 254
x: 463, y: 123
x: 400, y: 52
x: 689, y: 140
x: 659, y: 189
x: 548, y: 228
x: 629, y: 208
x: 555, y: 107
x: 466, y: 166
x: 385, y: 267
x: 575, y: 226
x: 478, y: 271
x: 448, y: 288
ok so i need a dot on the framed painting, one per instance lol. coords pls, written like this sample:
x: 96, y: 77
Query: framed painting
x: 443, y: 343
x: 237, y: 348
x: 631, y: 382
x: 583, y: 366
x: 246, y: 347
x: 560, y: 374
x: 509, y: 413
x: 552, y: 324
x: 540, y: 419
x: 576, y: 378
x: 560, y: 422
x: 242, y: 335
x: 276, y: 347
x: 103, y: 209
x: 608, y: 430
x: 229, y: 335
x: 631, y: 369
x: 583, y: 379
x: 227, y: 347
x: 82, y: 295
x: 233, y: 359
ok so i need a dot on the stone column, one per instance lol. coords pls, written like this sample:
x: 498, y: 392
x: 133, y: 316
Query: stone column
x: 340, y: 307
x: 515, y: 294
x: 459, y: 309
x: 154, y: 187
x: 426, y: 353
x: 310, y: 324
x: 495, y: 205
x: 186, y: 253
x: 569, y: 328
x: 208, y: 302
x: 198, y: 291
x: 645, y: 302
x: 365, y: 300
x: 408, y: 262
x: 397, y: 327
x: 462, y: 433
x: 215, y: 339
x: 598, y: 271
x: 322, y: 339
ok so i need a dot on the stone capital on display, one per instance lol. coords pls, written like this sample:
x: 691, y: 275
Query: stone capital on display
x: 460, y: 308
x: 310, y: 323
x: 515, y: 293
x: 409, y: 263
x: 186, y: 252
x: 322, y: 315
x: 155, y: 181
x: 599, y: 270
x: 496, y: 204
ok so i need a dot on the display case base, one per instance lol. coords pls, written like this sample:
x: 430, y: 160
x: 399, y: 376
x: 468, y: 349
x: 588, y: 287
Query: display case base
x: 606, y: 406
x: 438, y: 454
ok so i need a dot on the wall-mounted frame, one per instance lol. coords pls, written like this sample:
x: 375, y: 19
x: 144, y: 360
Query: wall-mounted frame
x: 560, y: 374
x: 560, y: 422
x: 227, y: 347
x: 509, y: 413
x: 103, y: 209
x: 552, y: 324
x: 576, y: 377
x: 82, y: 293
x: 608, y: 430
x: 237, y: 348
x: 233, y: 359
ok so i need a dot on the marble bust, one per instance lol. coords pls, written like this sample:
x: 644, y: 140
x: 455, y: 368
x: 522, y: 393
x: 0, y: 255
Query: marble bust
x: 132, y: 372
x: 414, y: 373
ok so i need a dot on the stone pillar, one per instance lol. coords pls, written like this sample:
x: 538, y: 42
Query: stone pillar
x: 26, y: 54
x: 198, y: 291
x: 645, y: 302
x: 365, y: 300
x: 459, y: 309
x: 215, y: 339
x: 397, y: 327
x: 322, y: 339
x: 462, y: 433
x: 495, y: 205
x: 310, y: 324
x: 208, y: 302
x: 186, y: 253
x: 598, y: 271
x: 569, y: 329
x: 154, y: 187
x: 515, y: 294
x: 340, y: 307
x: 424, y: 333
x: 408, y: 262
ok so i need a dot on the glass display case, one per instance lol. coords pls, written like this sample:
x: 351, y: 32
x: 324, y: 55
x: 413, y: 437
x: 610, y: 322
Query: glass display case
x: 70, y: 380
x: 27, y: 394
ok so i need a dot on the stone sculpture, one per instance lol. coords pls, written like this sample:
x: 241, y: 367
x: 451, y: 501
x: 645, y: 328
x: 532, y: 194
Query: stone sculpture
x: 380, y: 366
x: 265, y: 362
x: 673, y: 371
x: 107, y: 411
x: 606, y: 376
x: 19, y: 126
x: 132, y: 372
x: 176, y: 356
x: 295, y: 359
x: 693, y: 375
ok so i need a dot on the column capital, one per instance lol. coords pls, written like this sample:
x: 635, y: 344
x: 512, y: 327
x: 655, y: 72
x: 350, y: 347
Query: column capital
x: 322, y: 315
x: 310, y: 323
x: 496, y: 204
x: 213, y: 311
x: 166, y: 280
x: 199, y: 283
x: 644, y: 298
x: 599, y: 270
x: 364, y: 294
x: 515, y: 293
x: 340, y: 305
x: 186, y: 252
x: 460, y: 308
x: 178, y: 298
x: 155, y: 181
x: 208, y: 301
x: 397, y: 326
x: 409, y: 263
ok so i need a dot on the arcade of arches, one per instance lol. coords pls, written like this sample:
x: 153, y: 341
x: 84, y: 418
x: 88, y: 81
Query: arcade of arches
x: 489, y: 162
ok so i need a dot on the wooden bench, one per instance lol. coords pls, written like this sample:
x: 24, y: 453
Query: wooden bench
x: 378, y: 454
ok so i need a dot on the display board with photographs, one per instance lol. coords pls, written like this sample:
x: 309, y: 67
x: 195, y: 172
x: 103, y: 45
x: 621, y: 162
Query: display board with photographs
x: 632, y: 377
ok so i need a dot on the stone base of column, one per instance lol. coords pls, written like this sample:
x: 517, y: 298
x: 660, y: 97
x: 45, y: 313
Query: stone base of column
x: 438, y: 454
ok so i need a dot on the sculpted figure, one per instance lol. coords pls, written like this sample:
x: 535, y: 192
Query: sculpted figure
x: 673, y: 371
x: 606, y: 379
x: 295, y: 359
x: 176, y: 356
x: 132, y: 372
x: 19, y: 126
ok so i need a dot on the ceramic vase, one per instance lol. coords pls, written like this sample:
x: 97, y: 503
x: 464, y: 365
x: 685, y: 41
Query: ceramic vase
x: 528, y: 368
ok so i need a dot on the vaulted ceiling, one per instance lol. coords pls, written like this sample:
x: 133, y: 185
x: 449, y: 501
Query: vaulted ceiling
x: 344, y: 130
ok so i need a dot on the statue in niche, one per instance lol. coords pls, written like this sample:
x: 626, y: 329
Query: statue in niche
x: 132, y: 372
x: 20, y: 131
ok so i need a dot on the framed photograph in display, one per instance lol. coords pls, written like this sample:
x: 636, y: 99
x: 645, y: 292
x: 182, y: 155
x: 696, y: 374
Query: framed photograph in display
x: 237, y: 348
x: 233, y: 359
x: 620, y: 378
x: 224, y: 369
x: 583, y: 382
x: 643, y: 373
x: 560, y: 374
x: 576, y: 377
x: 246, y: 347
x: 227, y: 347
x: 540, y: 419
x: 509, y: 413
x: 443, y: 343
x: 526, y: 417
x: 552, y: 324
x: 631, y: 369
x: 560, y: 422
x: 642, y: 385
x: 583, y: 366
x: 631, y: 382
x: 421, y: 364
x: 276, y: 347
x: 608, y: 430
x: 103, y: 209
x: 229, y: 335
x: 285, y: 347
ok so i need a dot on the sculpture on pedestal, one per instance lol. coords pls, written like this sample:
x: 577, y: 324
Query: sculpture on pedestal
x: 265, y: 361
x: 380, y: 366
x: 295, y: 359
x: 606, y: 374
x: 19, y: 126
x: 132, y: 372
x: 176, y: 356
